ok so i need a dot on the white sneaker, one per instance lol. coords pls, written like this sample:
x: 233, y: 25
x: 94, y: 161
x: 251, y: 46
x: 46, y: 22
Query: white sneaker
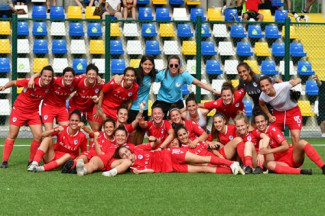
x: 80, y: 167
x: 96, y: 4
x: 31, y: 167
x: 323, y: 135
x: 108, y: 174
x: 235, y: 168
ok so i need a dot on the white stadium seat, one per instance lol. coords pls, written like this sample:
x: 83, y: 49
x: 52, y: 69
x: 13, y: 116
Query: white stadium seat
x: 171, y: 48
x: 59, y: 64
x: 58, y: 29
x: 3, y: 81
x: 180, y: 14
x: 226, y: 49
x: 5, y: 107
x: 78, y: 47
x: 100, y: 63
x: 23, y: 65
x: 23, y: 46
x: 231, y: 67
x: 130, y: 30
x: 220, y: 30
x: 134, y: 47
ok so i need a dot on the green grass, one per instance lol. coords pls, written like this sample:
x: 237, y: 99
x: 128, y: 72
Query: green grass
x: 52, y: 193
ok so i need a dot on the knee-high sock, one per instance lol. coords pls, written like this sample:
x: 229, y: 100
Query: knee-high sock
x: 8, y: 146
x: 313, y: 155
x: 240, y: 151
x: 50, y: 166
x: 33, y: 148
x: 286, y: 170
x: 220, y: 161
x: 223, y: 170
x: 38, y: 156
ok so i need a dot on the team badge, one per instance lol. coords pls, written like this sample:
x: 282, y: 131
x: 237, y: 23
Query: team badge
x: 71, y: 89
x: 75, y: 142
x: 46, y: 117
x: 130, y: 94
x: 14, y: 119
x: 231, y: 137
x: 237, y: 105
x: 25, y: 89
x: 178, y: 84
x: 46, y: 91
x: 249, y: 138
x: 140, y: 157
x: 162, y: 131
x: 96, y: 91
x: 254, y: 84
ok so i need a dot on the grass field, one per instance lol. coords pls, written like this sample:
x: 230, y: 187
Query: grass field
x: 52, y: 193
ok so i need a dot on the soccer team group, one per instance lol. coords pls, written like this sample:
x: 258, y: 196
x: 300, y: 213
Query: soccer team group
x: 178, y: 137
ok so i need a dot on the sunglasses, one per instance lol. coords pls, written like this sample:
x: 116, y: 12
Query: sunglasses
x: 173, y: 65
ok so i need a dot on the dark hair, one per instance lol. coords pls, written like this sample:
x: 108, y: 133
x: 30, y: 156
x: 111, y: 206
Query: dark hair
x: 92, y: 66
x: 109, y: 120
x: 120, y: 128
x: 265, y: 77
x: 122, y: 107
x: 251, y: 72
x: 76, y: 112
x: 178, y: 127
x: 157, y: 106
x: 259, y: 112
x: 131, y: 69
x: 170, y: 58
x: 227, y: 86
x: 214, y: 131
x: 49, y: 68
x: 116, y: 153
x: 190, y: 97
x: 140, y: 73
x: 69, y: 69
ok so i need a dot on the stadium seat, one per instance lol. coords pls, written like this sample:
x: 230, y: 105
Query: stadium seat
x: 162, y: 14
x: 97, y: 47
x: 280, y: 15
x: 22, y: 28
x: 262, y: 49
x: 78, y: 47
x: 193, y: 2
x: 214, y: 14
x: 213, y: 67
x: 220, y: 30
x: 253, y: 65
x: 150, y: 107
x: 277, y: 3
x: 207, y: 48
x: 159, y: 2
x: 217, y: 84
x: 116, y: 47
x: 185, y: 90
x: 39, y: 63
x: 130, y: 30
x: 152, y: 48
x: 5, y: 107
x: 189, y: 48
x: 296, y: 50
x: 143, y: 2
x: 145, y: 13
x: 134, y: 47
x: 205, y: 30
x: 184, y: 30
x: 5, y: 46
x: 171, y: 48
x: 58, y: 29
x: 23, y: 46
x: 59, y: 64
x: 203, y: 91
x: 90, y: 13
x: 244, y: 49
x: 4, y: 81
x: 74, y: 12
x: 304, y: 68
x: 167, y: 30
x: 268, y: 68
x: 235, y: 82
x: 196, y: 12
x: 291, y: 68
x: 231, y: 14
x: 39, y: 28
x: 278, y: 49
x: 57, y: 12
x: 79, y: 65
x: 225, y: 48
x: 76, y: 29
x: 272, y: 32
x: 159, y: 64
x: 156, y: 87
x: 191, y: 66
x: 180, y: 14
x: 100, y: 63
x: 115, y: 30
x: 117, y: 66
x: 39, y: 11
x: 59, y: 46
x: 136, y: 62
x: 25, y: 7
x: 149, y: 30
x: 230, y: 67
x: 237, y: 31
x: 23, y: 65
x: 293, y: 33
x: 311, y: 87
x: 95, y: 30
x: 40, y: 46
x: 267, y: 15
x: 4, y: 65
x: 176, y: 2
x: 255, y: 31
x: 305, y: 108
x: 5, y: 28
x: 248, y: 107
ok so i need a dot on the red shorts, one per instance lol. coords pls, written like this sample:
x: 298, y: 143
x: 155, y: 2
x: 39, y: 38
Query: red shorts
x: 222, y: 152
x: 288, y: 159
x: 49, y: 113
x: 292, y: 118
x: 107, y: 160
x: 99, y: 119
x: 178, y: 160
x: 19, y: 118
x: 89, y: 154
x: 87, y: 113
x: 57, y: 155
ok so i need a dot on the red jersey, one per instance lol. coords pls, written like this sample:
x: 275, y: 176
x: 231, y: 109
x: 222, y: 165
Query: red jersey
x: 103, y: 142
x: 59, y: 93
x: 201, y: 148
x: 115, y: 95
x: 82, y: 99
x: 161, y: 132
x: 70, y: 143
x: 231, y: 110
x: 253, y: 137
x: 193, y: 128
x: 252, y: 5
x: 230, y: 134
x: 29, y: 99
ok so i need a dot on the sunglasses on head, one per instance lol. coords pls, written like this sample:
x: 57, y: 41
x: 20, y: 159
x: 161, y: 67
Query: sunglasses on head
x: 173, y: 65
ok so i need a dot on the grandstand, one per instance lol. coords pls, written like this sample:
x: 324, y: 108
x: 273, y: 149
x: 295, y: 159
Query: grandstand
x: 66, y: 36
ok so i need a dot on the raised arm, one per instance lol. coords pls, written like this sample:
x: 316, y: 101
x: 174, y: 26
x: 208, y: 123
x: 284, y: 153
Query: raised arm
x: 319, y: 83
x: 49, y: 133
x: 97, y: 147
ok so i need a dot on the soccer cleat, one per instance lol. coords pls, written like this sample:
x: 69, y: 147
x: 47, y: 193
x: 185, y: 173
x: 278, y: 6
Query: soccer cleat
x: 235, y: 168
x: 37, y: 169
x: 4, y: 164
x: 66, y: 168
x: 31, y: 168
x: 248, y: 170
x: 29, y: 163
x: 258, y: 170
x: 306, y: 171
x: 107, y: 174
x: 323, y: 168
x: 80, y: 167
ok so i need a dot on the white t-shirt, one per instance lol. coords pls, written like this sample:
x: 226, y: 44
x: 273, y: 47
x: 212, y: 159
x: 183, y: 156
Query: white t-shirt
x: 281, y: 101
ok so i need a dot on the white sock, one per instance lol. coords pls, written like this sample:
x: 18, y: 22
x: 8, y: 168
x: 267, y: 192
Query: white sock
x: 113, y: 172
x: 85, y: 171
x: 34, y: 163
x: 41, y: 169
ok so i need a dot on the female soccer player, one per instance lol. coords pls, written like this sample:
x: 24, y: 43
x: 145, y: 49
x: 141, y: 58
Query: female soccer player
x: 286, y: 111
x: 230, y: 103
x: 25, y: 112
x: 69, y: 141
x: 281, y: 157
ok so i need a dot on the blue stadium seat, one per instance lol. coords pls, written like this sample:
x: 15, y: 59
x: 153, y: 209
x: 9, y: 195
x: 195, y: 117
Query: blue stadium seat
x: 152, y: 48
x: 255, y: 31
x: 163, y: 14
x: 213, y: 67
x: 4, y: 65
x: 278, y: 49
x: 57, y: 12
x: 79, y: 65
x: 297, y: 50
x: 176, y: 2
x: 185, y: 90
x: 248, y: 107
x: 39, y: 28
x: 195, y: 12
x: 272, y: 32
x: 268, y: 68
x: 207, y: 48
x: 149, y: 30
x: 40, y: 46
x: 237, y: 31
x: 231, y: 14
x: 143, y: 2
x: 184, y: 30
x: 304, y: 68
x: 145, y: 13
x: 116, y: 47
x: 39, y: 11
x: 244, y: 49
x: 76, y: 29
x: 311, y: 87
x: 280, y: 15
x: 22, y: 29
x: 205, y: 30
x: 118, y: 66
x: 94, y: 30
x: 277, y: 3
x: 59, y: 46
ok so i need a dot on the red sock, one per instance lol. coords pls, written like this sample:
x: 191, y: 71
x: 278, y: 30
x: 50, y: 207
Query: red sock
x: 50, y: 166
x: 286, y: 170
x: 248, y: 161
x: 240, y: 151
x: 74, y: 164
x: 7, y: 149
x: 39, y: 155
x: 223, y: 170
x: 220, y: 161
x: 313, y: 155
x: 33, y: 148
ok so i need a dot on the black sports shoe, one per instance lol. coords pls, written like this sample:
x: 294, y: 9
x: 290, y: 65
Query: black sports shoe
x: 306, y: 171
x: 66, y: 168
x: 4, y: 164
x: 29, y: 163
x: 323, y: 168
x: 248, y: 170
x: 258, y: 170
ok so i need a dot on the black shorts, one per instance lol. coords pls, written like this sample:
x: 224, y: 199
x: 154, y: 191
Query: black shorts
x: 166, y: 106
x: 253, y: 15
x: 321, y: 112
x: 133, y: 114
